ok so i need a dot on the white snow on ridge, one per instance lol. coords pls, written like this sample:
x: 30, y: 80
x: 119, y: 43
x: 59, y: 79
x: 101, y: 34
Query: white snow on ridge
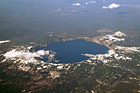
x: 113, y: 39
x: 111, y: 53
x: 5, y: 41
x: 25, y: 56
x: 111, y: 6
x: 133, y: 49
x: 117, y: 36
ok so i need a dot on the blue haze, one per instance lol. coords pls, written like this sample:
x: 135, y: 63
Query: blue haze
x: 41, y: 16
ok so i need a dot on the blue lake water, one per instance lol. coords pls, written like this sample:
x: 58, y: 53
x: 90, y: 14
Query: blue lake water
x: 70, y: 51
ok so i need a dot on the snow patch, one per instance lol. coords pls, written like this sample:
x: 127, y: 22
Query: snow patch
x: 59, y: 67
x: 23, y: 55
x: 117, y: 36
x: 5, y: 41
x: 131, y: 49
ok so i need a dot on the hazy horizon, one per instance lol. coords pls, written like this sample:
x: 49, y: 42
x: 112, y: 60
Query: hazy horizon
x: 40, y: 16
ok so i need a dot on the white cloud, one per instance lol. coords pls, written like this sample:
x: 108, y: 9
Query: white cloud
x: 4, y: 41
x: 105, y: 7
x: 91, y: 2
x: 76, y: 4
x: 111, y: 6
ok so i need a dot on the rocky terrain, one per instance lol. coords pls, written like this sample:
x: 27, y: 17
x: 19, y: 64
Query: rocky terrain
x: 116, y: 71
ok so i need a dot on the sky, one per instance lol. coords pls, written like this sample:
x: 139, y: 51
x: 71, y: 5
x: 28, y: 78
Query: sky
x: 71, y: 16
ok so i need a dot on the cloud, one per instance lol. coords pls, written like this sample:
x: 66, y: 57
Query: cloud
x: 76, y: 4
x: 105, y: 7
x: 91, y: 2
x: 5, y: 41
x: 111, y: 6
